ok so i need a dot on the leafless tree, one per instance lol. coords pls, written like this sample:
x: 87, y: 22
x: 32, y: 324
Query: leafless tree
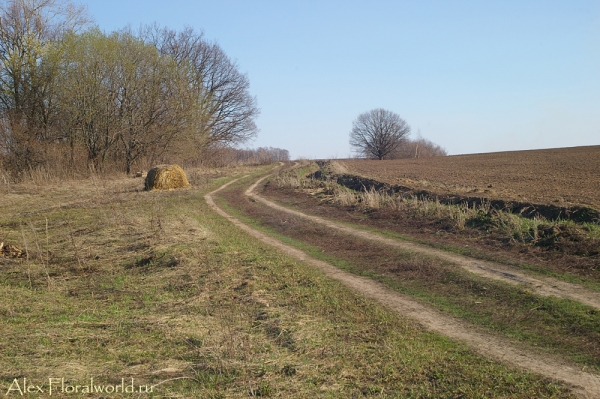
x: 378, y: 133
x: 153, y: 101
x: 88, y: 93
x: 121, y: 98
x: 226, y: 110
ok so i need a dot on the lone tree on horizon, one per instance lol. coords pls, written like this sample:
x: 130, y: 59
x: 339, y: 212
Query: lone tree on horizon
x: 378, y: 133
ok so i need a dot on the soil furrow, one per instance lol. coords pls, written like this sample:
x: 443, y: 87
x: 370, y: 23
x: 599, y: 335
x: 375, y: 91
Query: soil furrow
x: 539, y: 285
x: 587, y: 385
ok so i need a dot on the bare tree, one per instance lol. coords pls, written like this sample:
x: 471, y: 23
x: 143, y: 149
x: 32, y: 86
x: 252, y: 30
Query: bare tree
x: 153, y: 101
x: 120, y: 97
x: 88, y: 92
x: 226, y: 109
x: 378, y: 133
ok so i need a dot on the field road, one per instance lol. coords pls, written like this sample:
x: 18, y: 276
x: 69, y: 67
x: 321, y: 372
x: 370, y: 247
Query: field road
x: 538, y: 285
x: 586, y: 385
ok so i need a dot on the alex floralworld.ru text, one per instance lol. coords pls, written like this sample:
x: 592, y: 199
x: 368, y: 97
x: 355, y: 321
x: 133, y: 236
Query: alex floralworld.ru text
x: 59, y: 385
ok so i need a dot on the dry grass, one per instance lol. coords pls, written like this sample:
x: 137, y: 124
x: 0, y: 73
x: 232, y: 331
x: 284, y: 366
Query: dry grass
x: 166, y: 177
x: 559, y: 176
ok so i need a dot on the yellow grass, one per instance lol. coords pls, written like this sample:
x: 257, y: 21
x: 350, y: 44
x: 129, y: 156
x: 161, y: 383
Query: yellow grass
x: 166, y: 177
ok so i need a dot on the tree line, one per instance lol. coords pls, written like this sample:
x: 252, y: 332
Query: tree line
x: 75, y: 96
x: 220, y: 157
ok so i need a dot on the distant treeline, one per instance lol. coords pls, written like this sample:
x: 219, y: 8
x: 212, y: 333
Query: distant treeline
x: 410, y: 148
x: 219, y: 157
x: 418, y: 148
x: 75, y: 98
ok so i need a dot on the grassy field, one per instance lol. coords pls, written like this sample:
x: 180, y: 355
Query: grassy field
x: 123, y: 285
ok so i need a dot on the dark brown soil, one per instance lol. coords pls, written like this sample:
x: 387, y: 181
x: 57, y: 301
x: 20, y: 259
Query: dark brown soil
x: 562, y: 177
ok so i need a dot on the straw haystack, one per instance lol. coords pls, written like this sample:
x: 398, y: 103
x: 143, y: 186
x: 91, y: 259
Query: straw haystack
x: 166, y: 177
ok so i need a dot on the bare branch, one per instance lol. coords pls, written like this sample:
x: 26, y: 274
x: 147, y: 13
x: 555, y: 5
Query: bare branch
x: 378, y: 133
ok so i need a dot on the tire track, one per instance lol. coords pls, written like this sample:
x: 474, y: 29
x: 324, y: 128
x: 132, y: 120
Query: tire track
x: 538, y: 285
x: 586, y: 385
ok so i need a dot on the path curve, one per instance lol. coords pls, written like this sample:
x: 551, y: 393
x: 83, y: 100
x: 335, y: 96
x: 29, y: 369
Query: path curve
x: 539, y: 285
x: 586, y: 385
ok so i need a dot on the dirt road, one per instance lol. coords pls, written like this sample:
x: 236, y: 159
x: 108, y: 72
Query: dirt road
x: 496, y: 271
x: 586, y: 385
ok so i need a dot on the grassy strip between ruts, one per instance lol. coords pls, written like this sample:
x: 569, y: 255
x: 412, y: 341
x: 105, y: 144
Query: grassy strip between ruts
x: 533, y: 270
x: 552, y: 324
x: 286, y: 198
x: 593, y: 285
x: 156, y: 288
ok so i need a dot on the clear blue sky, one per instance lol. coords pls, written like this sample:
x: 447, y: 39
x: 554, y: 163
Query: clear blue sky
x: 472, y: 76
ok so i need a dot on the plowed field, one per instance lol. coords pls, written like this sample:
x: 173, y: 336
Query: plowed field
x: 561, y: 177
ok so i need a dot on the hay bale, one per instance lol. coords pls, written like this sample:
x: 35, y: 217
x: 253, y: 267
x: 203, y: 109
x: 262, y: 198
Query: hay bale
x: 166, y: 177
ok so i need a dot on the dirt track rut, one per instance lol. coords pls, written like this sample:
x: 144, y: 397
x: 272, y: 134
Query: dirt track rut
x: 538, y: 285
x: 586, y: 385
